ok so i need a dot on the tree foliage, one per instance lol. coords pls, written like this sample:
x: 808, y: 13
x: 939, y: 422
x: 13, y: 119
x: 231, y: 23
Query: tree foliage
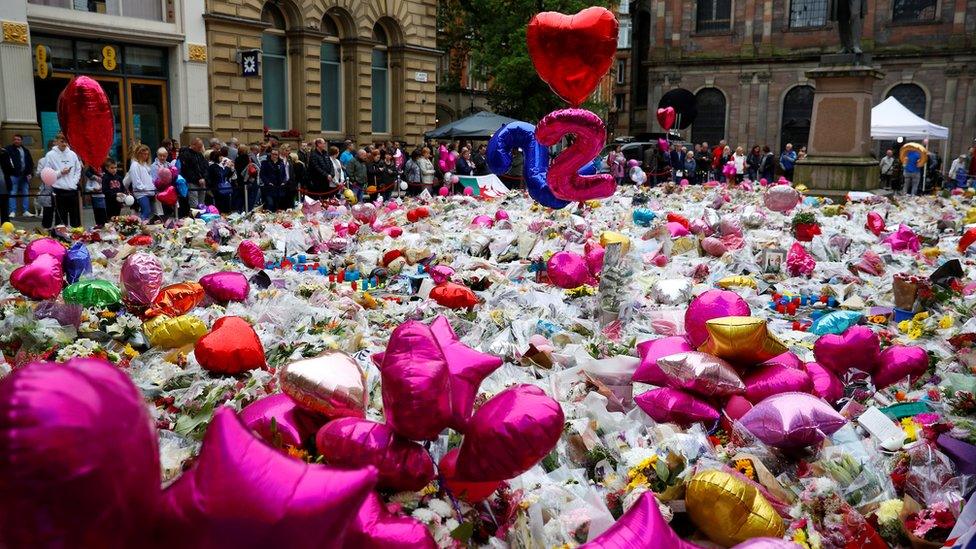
x: 492, y: 32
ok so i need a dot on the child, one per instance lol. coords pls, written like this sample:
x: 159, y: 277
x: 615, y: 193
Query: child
x: 112, y: 187
x: 45, y: 198
x: 93, y: 185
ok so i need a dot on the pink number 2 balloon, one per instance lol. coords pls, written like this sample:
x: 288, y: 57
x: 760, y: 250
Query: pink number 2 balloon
x: 564, y: 179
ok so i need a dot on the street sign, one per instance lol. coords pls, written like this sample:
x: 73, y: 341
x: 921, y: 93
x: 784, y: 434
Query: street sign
x: 250, y: 62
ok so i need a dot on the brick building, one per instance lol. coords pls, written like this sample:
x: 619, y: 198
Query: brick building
x: 745, y: 61
x: 359, y: 69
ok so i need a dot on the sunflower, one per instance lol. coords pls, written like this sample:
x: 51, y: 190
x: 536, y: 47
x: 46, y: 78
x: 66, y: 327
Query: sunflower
x: 745, y: 467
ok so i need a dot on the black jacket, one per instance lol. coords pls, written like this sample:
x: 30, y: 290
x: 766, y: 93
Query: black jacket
x: 319, y: 170
x: 193, y: 166
x: 480, y: 164
x: 112, y: 185
x: 20, y: 170
x: 8, y: 170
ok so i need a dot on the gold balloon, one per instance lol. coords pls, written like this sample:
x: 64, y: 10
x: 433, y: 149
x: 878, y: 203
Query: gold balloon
x: 970, y: 216
x: 170, y: 333
x: 349, y: 196
x: 729, y: 510
x: 683, y: 245
x: 743, y: 340
x: 801, y: 188
x: 331, y: 384
x: 913, y: 146
x: 611, y: 237
x: 7, y: 227
x: 737, y: 281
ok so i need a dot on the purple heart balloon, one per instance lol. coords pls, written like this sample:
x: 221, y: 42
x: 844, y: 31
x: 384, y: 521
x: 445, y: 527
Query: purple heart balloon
x: 898, y: 362
x: 858, y: 347
x: 710, y: 305
x: 509, y: 434
x: 642, y: 526
x: 468, y: 368
x: 141, y: 278
x: 244, y: 493
x: 774, y: 379
x: 42, y: 278
x: 226, y: 286
x: 292, y: 424
x: 42, y: 246
x: 403, y: 465
x: 667, y: 405
x: 786, y: 359
x: 792, y: 420
x: 377, y: 528
x: 416, y: 383
x: 826, y: 384
x: 79, y: 466
x: 650, y: 351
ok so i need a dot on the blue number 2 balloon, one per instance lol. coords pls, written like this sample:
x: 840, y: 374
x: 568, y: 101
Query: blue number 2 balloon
x: 535, y: 164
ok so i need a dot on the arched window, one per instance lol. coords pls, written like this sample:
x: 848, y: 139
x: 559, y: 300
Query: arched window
x: 797, y: 110
x: 331, y: 76
x: 274, y: 57
x: 710, y: 124
x: 381, y: 80
x: 910, y: 95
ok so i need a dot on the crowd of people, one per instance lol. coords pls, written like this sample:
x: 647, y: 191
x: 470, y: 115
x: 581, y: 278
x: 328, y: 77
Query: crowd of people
x: 230, y: 176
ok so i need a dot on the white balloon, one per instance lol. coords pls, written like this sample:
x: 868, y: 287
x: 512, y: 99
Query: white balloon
x: 448, y: 176
x: 129, y: 200
x: 404, y: 186
x: 637, y: 175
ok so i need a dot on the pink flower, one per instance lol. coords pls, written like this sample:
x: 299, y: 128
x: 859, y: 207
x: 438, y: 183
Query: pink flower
x: 923, y: 526
x: 927, y: 418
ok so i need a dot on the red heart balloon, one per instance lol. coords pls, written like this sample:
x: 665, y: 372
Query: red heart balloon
x: 666, y: 117
x: 85, y: 115
x: 572, y: 53
x: 231, y: 347
x: 167, y: 196
x: 454, y: 296
x: 471, y: 492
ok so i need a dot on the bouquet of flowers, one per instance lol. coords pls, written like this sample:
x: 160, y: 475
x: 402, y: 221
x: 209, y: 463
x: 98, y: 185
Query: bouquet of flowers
x: 805, y: 226
x: 927, y: 527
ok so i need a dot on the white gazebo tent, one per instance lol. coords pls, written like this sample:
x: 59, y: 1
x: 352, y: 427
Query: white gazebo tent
x: 891, y: 120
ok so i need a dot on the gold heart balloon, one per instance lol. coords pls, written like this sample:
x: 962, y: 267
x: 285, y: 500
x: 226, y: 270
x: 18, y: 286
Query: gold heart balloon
x: 743, y: 340
x: 170, y: 333
x: 737, y: 281
x: 331, y: 384
x: 611, y: 237
x: 729, y: 510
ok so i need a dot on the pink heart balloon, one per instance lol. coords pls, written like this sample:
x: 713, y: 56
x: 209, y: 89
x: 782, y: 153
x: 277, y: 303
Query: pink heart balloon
x: 416, y: 383
x: 141, y: 277
x: 792, y: 420
x: 509, y: 434
x: 167, y: 196
x: 667, y: 405
x: 767, y: 543
x: 43, y: 246
x: 781, y: 198
x: 471, y: 492
x: 79, y: 466
x: 244, y: 493
x: 468, y: 368
x: 676, y: 229
x: 43, y: 278
x: 642, y: 526
x: 774, y: 379
x: 904, y: 239
x: 226, y: 286
x: 858, y: 347
x: 898, y: 362
x: 737, y: 406
x: 786, y: 359
x: 485, y: 221
x: 292, y: 425
x: 251, y: 254
x: 594, y: 258
x: 568, y: 270
x: 376, y: 528
x: 826, y: 384
x: 403, y: 465
x: 714, y: 246
x: 711, y: 305
x: 441, y: 274
x: 650, y: 351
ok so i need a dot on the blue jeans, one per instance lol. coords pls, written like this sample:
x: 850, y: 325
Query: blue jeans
x: 19, y: 185
x: 145, y: 207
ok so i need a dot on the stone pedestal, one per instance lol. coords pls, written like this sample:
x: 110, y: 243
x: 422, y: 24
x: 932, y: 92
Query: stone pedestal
x: 840, y: 132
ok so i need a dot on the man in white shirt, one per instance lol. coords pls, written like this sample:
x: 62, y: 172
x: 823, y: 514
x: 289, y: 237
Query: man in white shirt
x: 887, y: 165
x: 65, y: 162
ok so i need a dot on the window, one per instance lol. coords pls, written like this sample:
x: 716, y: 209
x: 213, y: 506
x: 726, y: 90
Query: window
x: 145, y: 61
x: 331, y: 77
x: 623, y: 35
x: 142, y: 9
x: 643, y: 36
x: 714, y: 15
x: 710, y: 123
x: 274, y: 78
x: 381, y: 81
x: 797, y: 110
x: 618, y: 101
x: 911, y: 96
x: 806, y: 14
x: 621, y: 71
x: 911, y: 11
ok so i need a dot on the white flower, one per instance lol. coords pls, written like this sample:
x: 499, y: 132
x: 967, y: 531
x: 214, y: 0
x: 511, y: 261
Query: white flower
x: 440, y: 507
x: 635, y: 456
x: 425, y: 516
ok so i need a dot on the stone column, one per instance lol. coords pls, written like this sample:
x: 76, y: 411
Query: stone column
x: 840, y: 133
x: 743, y: 104
x: 189, y: 78
x: 304, y: 55
x: 18, y: 113
x: 762, y: 110
x: 655, y: 90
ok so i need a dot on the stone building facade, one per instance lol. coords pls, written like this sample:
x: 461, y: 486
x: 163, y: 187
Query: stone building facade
x: 344, y: 69
x: 745, y: 60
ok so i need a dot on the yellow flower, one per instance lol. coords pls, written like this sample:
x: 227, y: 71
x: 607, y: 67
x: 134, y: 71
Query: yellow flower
x: 800, y: 538
x: 920, y: 316
x: 889, y: 510
x: 946, y: 322
x: 106, y: 314
x: 129, y: 351
x: 428, y: 490
x: 915, y: 332
x: 904, y: 325
x: 911, y: 429
x: 745, y: 467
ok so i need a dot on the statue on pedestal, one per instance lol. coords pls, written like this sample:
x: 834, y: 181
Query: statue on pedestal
x: 849, y: 15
